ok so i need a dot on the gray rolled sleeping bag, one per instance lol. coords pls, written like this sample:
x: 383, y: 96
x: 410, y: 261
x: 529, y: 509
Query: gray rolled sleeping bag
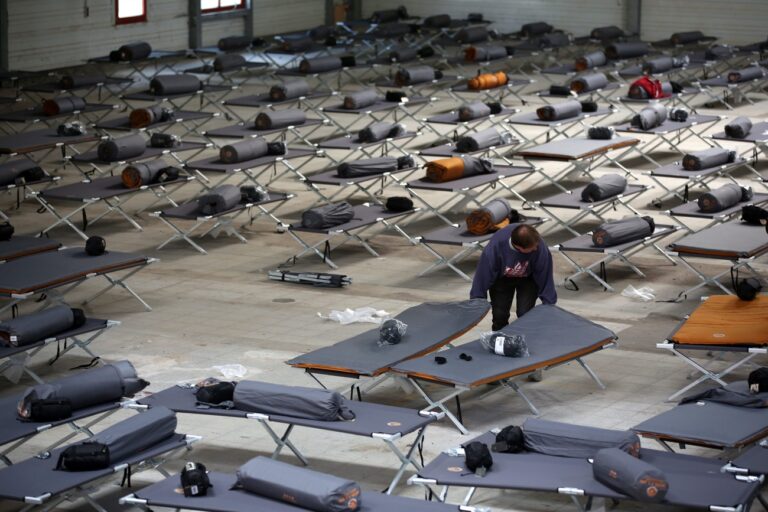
x: 555, y: 40
x: 607, y: 33
x: 27, y: 329
x: 361, y: 99
x: 589, y: 83
x: 220, y: 199
x: 661, y: 64
x: 289, y: 90
x: 628, y: 50
x: 479, y: 140
x: 413, y: 75
x: 692, y: 36
x: 300, y: 44
x: 471, y: 35
x: 745, y: 75
x: 292, y: 401
x: 234, y: 43
x: 558, y: 111
x: 575, y: 441
x: 403, y: 54
x: 94, y: 386
x: 134, y: 51
x: 247, y: 149
x: 63, y: 105
x: 229, y: 61
x: 650, y: 117
x: 143, y: 173
x: 474, y: 166
x: 376, y: 132
x: 489, y: 52
x: 367, y: 167
x: 163, y: 85
x: 708, y: 158
x: 719, y: 199
x: 19, y: 169
x: 437, y: 21
x: 71, y: 81
x: 739, y: 128
x: 273, y: 119
x: 121, y: 148
x: 605, y: 186
x: 327, y: 216
x: 474, y: 110
x: 301, y: 487
x: 320, y: 65
x: 591, y: 60
x: 630, y: 475
x: 621, y: 231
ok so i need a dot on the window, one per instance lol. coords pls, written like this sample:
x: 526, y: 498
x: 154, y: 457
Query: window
x: 221, y: 5
x: 130, y: 11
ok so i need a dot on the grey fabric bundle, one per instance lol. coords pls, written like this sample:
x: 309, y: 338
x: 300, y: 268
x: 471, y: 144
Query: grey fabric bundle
x: 28, y: 329
x: 708, y: 158
x: 289, y: 90
x: 320, y: 64
x: 367, y: 167
x: 650, y: 117
x: 327, y: 216
x: 588, y: 83
x: 16, y: 170
x: 591, y: 60
x: 606, y: 33
x: 233, y: 43
x: 693, y: 36
x: 479, y: 140
x: 719, y: 199
x: 558, y: 111
x: 474, y: 110
x: 605, y: 186
x: 174, y: 84
x: 273, y: 119
x: 63, y: 105
x: 413, y: 75
x: 122, y: 148
x: 729, y: 395
x: 134, y: 51
x: 292, y: 401
x: 618, y: 232
x: 379, y: 131
x: 555, y: 40
x: 247, y: 149
x: 300, y: 487
x: 745, y: 75
x: 575, y: 441
x: 72, y: 81
x: 143, y: 173
x: 403, y: 54
x: 629, y: 50
x: 220, y: 199
x: 536, y: 28
x: 738, y: 128
x: 137, y: 433
x: 661, y: 64
x: 361, y: 99
x: 437, y: 21
x: 94, y: 386
x: 489, y: 52
x: 471, y: 35
x: 630, y: 475
x: 474, y: 166
x: 228, y: 62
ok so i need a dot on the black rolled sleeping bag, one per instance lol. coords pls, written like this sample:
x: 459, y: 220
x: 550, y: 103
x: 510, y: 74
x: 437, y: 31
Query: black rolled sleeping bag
x: 144, y: 117
x: 558, y: 111
x: 121, y: 148
x: 31, y: 328
x: 134, y: 51
x: 555, y: 40
x: 143, y: 173
x: 437, y: 21
x: 372, y: 166
x: 693, y: 36
x: 471, y: 35
x: 485, y: 53
x: 71, y: 81
x: 630, y: 475
x: 233, y: 43
x: 63, y: 105
x: 289, y: 90
x: 413, y: 75
x: 403, y: 54
x: 273, y: 119
x: 360, y: 99
x: 630, y: 50
x: 164, y: 85
x: 293, y: 401
x: 247, y: 149
x: 575, y: 441
x: 327, y: 216
x: 479, y: 140
x: 376, y: 132
x: 589, y: 83
x: 606, y: 33
x: 229, y: 61
x: 536, y: 29
x: 708, y: 158
x: 605, y: 186
x: 739, y: 128
x: 21, y: 170
x: 591, y: 60
x: 320, y: 65
x: 618, y: 232
x: 659, y: 65
x: 297, y: 45
x: 650, y: 117
x: 719, y: 199
x: 474, y: 110
x: 745, y: 75
x: 220, y: 199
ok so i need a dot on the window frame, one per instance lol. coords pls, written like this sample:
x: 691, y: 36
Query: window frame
x: 133, y: 19
x: 212, y: 10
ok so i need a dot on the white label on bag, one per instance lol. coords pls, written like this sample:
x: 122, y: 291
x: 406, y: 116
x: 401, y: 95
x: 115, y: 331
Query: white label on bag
x: 498, y: 343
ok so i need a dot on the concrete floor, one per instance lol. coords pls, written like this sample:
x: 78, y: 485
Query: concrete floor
x: 221, y: 309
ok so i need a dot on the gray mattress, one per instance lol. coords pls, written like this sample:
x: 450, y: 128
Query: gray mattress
x: 669, y: 126
x: 222, y: 498
x: 36, y: 113
x: 370, y: 418
x: 583, y: 243
x: 191, y: 210
x: 46, y: 138
x: 214, y: 164
x: 531, y: 119
x: 730, y: 240
x: 262, y: 100
x: 148, y: 96
x: 240, y: 131
x: 573, y: 200
x: 676, y: 170
x: 458, y: 235
x: 363, y: 216
x: 100, y: 188
x: 758, y: 133
x: 755, y: 459
x: 575, y: 149
x: 91, y: 157
x: 56, y: 268
x: 552, y: 334
x: 52, y: 87
x: 470, y: 182
x: 694, y: 482
x: 90, y: 325
x: 332, y: 178
x: 691, y: 208
x: 179, y: 116
x: 453, y: 117
x: 349, y: 142
x: 20, y: 246
x: 379, y: 106
x: 430, y: 326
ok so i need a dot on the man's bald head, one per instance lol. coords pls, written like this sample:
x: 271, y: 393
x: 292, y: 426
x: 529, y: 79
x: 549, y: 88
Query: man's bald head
x: 525, y: 238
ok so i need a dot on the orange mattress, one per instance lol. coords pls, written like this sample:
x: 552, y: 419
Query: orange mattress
x: 726, y: 320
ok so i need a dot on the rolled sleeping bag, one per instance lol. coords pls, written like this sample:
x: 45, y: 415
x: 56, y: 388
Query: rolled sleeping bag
x: 385, y: 16
x: 31, y: 328
x: 293, y: 401
x: 488, y: 81
x: 273, y: 119
x: 587, y: 83
x: 361, y: 99
x: 72, y: 81
x: 693, y: 36
x: 415, y: 75
x: 555, y: 40
x: 297, y: 45
x: 449, y: 169
x: 645, y: 88
x: 575, y: 441
x: 18, y: 170
x: 659, y: 65
x: 143, y: 117
x: 142, y: 173
x: 491, y: 217
x: 479, y: 140
x: 233, y: 43
x: 558, y: 111
x: 122, y: 148
x: 134, y: 51
x: 470, y: 35
x: 745, y: 75
x: 220, y: 199
x: 327, y: 216
x: 591, y: 60
x: 739, y: 128
x: 289, y: 90
x: 708, y: 158
x: 606, y: 33
x: 629, y: 50
x: 630, y: 475
x: 376, y: 132
x: 403, y: 54
x: 719, y: 199
x: 228, y: 62
x: 618, y: 232
x: 484, y: 53
x: 243, y: 150
x: 165, y: 85
x: 437, y: 21
x: 320, y: 64
x: 368, y: 167
x: 63, y: 105
x: 650, y: 117
x: 604, y: 187
x: 474, y: 110
x: 536, y: 28
x: 302, y: 488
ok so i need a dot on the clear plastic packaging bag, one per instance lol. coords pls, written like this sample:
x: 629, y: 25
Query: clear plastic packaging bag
x: 350, y: 316
x: 644, y: 294
x: 231, y: 371
x: 391, y: 332
x: 503, y: 344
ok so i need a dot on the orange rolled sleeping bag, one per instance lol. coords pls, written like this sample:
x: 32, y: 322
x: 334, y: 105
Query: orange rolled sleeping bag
x: 445, y: 169
x: 491, y: 217
x: 488, y: 81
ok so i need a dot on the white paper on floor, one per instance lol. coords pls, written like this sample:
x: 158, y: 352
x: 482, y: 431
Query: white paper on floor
x: 644, y: 294
x: 231, y: 371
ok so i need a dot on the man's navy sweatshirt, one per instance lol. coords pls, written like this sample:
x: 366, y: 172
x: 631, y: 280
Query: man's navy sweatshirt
x: 499, y: 259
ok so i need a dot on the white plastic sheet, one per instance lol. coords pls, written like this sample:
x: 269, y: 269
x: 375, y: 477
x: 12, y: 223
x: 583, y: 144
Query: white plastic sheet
x: 350, y: 316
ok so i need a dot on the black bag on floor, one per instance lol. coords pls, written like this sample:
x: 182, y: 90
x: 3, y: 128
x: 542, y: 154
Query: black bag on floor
x: 122, y: 148
x: 630, y: 475
x: 618, y: 232
x: 164, y: 140
x: 605, y: 186
x: 167, y: 85
x: 719, y: 199
x: 289, y: 90
x: 220, y: 199
x: 51, y: 409
x: 291, y: 401
x: 575, y: 441
x: 328, y: 216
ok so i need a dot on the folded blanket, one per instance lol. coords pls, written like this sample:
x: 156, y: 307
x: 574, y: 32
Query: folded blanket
x: 478, y: 110
x: 320, y: 65
x: 416, y: 75
x: 143, y: 117
x: 479, y: 140
x: 122, y: 148
x: 608, y: 33
x: 650, y: 117
x: 589, y: 83
x: 449, y: 169
x: 630, y: 475
x: 142, y: 173
x: 484, y: 53
x: 373, y: 166
x: 63, y: 105
x: 165, y: 85
x: 629, y: 50
x: 604, y: 187
x: 488, y: 81
x: 327, y: 216
x: 360, y: 99
x: 289, y: 90
x: 228, y: 62
x: 67, y: 82
x: 739, y: 128
x: 618, y: 232
x: 274, y: 119
x: 376, y: 132
x: 491, y: 217
x: 220, y: 199
x: 693, y: 36
x: 558, y: 111
x: 745, y: 75
x: 591, y: 60
x: 20, y: 171
x: 134, y: 51
x: 708, y: 158
x: 719, y: 199
x: 233, y: 43
x: 470, y: 35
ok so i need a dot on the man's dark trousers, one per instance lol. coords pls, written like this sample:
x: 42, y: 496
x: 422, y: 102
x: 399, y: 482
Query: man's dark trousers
x: 502, y: 294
